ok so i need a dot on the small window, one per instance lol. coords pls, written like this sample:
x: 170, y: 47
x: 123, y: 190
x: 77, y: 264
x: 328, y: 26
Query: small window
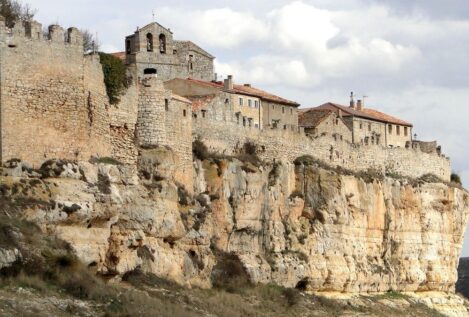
x: 406, y: 132
x: 150, y: 71
x: 398, y: 130
x: 361, y: 126
x: 203, y: 113
x: 390, y: 128
x: 283, y: 109
x: 291, y: 111
x: 184, y: 112
x: 175, y: 52
x: 336, y: 121
x: 273, y: 107
x: 166, y: 104
x: 369, y: 126
x: 256, y: 125
x: 227, y: 101
x: 250, y: 103
x: 284, y: 126
x: 128, y: 49
x: 241, y: 101
x: 256, y: 104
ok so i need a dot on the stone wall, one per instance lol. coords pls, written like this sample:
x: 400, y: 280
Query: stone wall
x: 285, y: 115
x: 178, y: 126
x: 52, y: 98
x: 222, y: 133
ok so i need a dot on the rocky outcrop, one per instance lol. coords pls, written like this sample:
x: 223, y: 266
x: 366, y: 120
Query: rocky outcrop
x: 301, y: 225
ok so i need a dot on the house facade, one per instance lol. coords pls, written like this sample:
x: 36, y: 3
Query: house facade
x: 369, y: 126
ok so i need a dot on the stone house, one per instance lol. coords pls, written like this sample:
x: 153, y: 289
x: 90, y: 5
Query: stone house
x: 152, y: 50
x: 324, y: 122
x: 253, y: 107
x: 369, y: 126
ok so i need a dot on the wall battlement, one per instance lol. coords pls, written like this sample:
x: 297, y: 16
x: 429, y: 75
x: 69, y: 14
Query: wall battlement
x: 32, y: 31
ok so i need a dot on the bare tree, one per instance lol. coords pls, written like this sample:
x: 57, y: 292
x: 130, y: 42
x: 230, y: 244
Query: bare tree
x: 90, y: 42
x: 14, y: 11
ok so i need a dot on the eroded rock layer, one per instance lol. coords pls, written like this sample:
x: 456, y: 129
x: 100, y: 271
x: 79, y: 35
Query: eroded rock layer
x: 299, y: 225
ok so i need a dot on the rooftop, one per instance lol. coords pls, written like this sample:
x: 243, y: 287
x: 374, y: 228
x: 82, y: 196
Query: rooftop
x: 312, y: 117
x: 365, y: 113
x: 246, y: 90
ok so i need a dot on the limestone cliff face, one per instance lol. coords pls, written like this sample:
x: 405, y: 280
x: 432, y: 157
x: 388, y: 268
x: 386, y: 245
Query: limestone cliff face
x: 296, y: 225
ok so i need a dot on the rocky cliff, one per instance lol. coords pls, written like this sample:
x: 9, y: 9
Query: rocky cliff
x: 298, y: 225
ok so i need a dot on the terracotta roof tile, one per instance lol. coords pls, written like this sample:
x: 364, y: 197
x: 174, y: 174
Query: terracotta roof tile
x: 247, y: 90
x: 312, y: 117
x: 180, y: 98
x: 366, y: 113
x: 199, y: 102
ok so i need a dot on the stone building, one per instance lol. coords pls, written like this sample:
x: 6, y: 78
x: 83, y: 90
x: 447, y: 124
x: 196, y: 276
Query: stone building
x: 318, y: 123
x: 253, y: 107
x: 152, y: 50
x: 369, y: 126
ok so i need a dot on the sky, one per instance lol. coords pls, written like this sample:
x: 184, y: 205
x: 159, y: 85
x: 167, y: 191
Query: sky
x: 407, y: 56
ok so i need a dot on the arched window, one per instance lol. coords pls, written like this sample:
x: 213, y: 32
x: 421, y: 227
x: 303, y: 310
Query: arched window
x: 149, y: 42
x: 162, y: 44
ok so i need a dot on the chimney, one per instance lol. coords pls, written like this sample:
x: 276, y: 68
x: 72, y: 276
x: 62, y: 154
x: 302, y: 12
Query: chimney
x: 247, y: 85
x: 229, y: 83
x: 359, y: 105
x: 339, y: 113
x: 352, y: 101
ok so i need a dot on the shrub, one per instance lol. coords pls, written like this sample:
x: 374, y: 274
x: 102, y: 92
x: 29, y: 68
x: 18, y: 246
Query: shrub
x: 200, y: 150
x: 455, y: 178
x: 229, y: 273
x: 115, y: 77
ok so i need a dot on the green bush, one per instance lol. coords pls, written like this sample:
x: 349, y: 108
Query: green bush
x: 455, y: 178
x: 115, y: 77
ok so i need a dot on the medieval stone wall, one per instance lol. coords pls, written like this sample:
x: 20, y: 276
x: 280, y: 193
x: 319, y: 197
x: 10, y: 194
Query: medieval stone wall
x: 225, y: 135
x: 51, y: 100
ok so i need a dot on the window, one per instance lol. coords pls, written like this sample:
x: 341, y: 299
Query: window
x: 128, y: 50
x: 273, y: 107
x: 250, y: 103
x: 175, y: 52
x: 291, y: 111
x: 369, y: 126
x: 256, y: 104
x: 149, y: 42
x: 361, y: 125
x: 227, y: 101
x: 241, y: 101
x: 406, y: 132
x: 390, y: 129
x: 162, y: 44
x: 191, y: 65
x: 398, y: 130
x: 283, y: 109
x: 166, y: 104
x: 184, y: 112
x: 256, y: 125
x: 336, y: 121
x: 203, y: 113
x: 150, y: 71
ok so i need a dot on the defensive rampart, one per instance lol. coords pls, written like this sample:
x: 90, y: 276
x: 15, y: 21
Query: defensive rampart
x: 52, y: 98
x: 221, y: 131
